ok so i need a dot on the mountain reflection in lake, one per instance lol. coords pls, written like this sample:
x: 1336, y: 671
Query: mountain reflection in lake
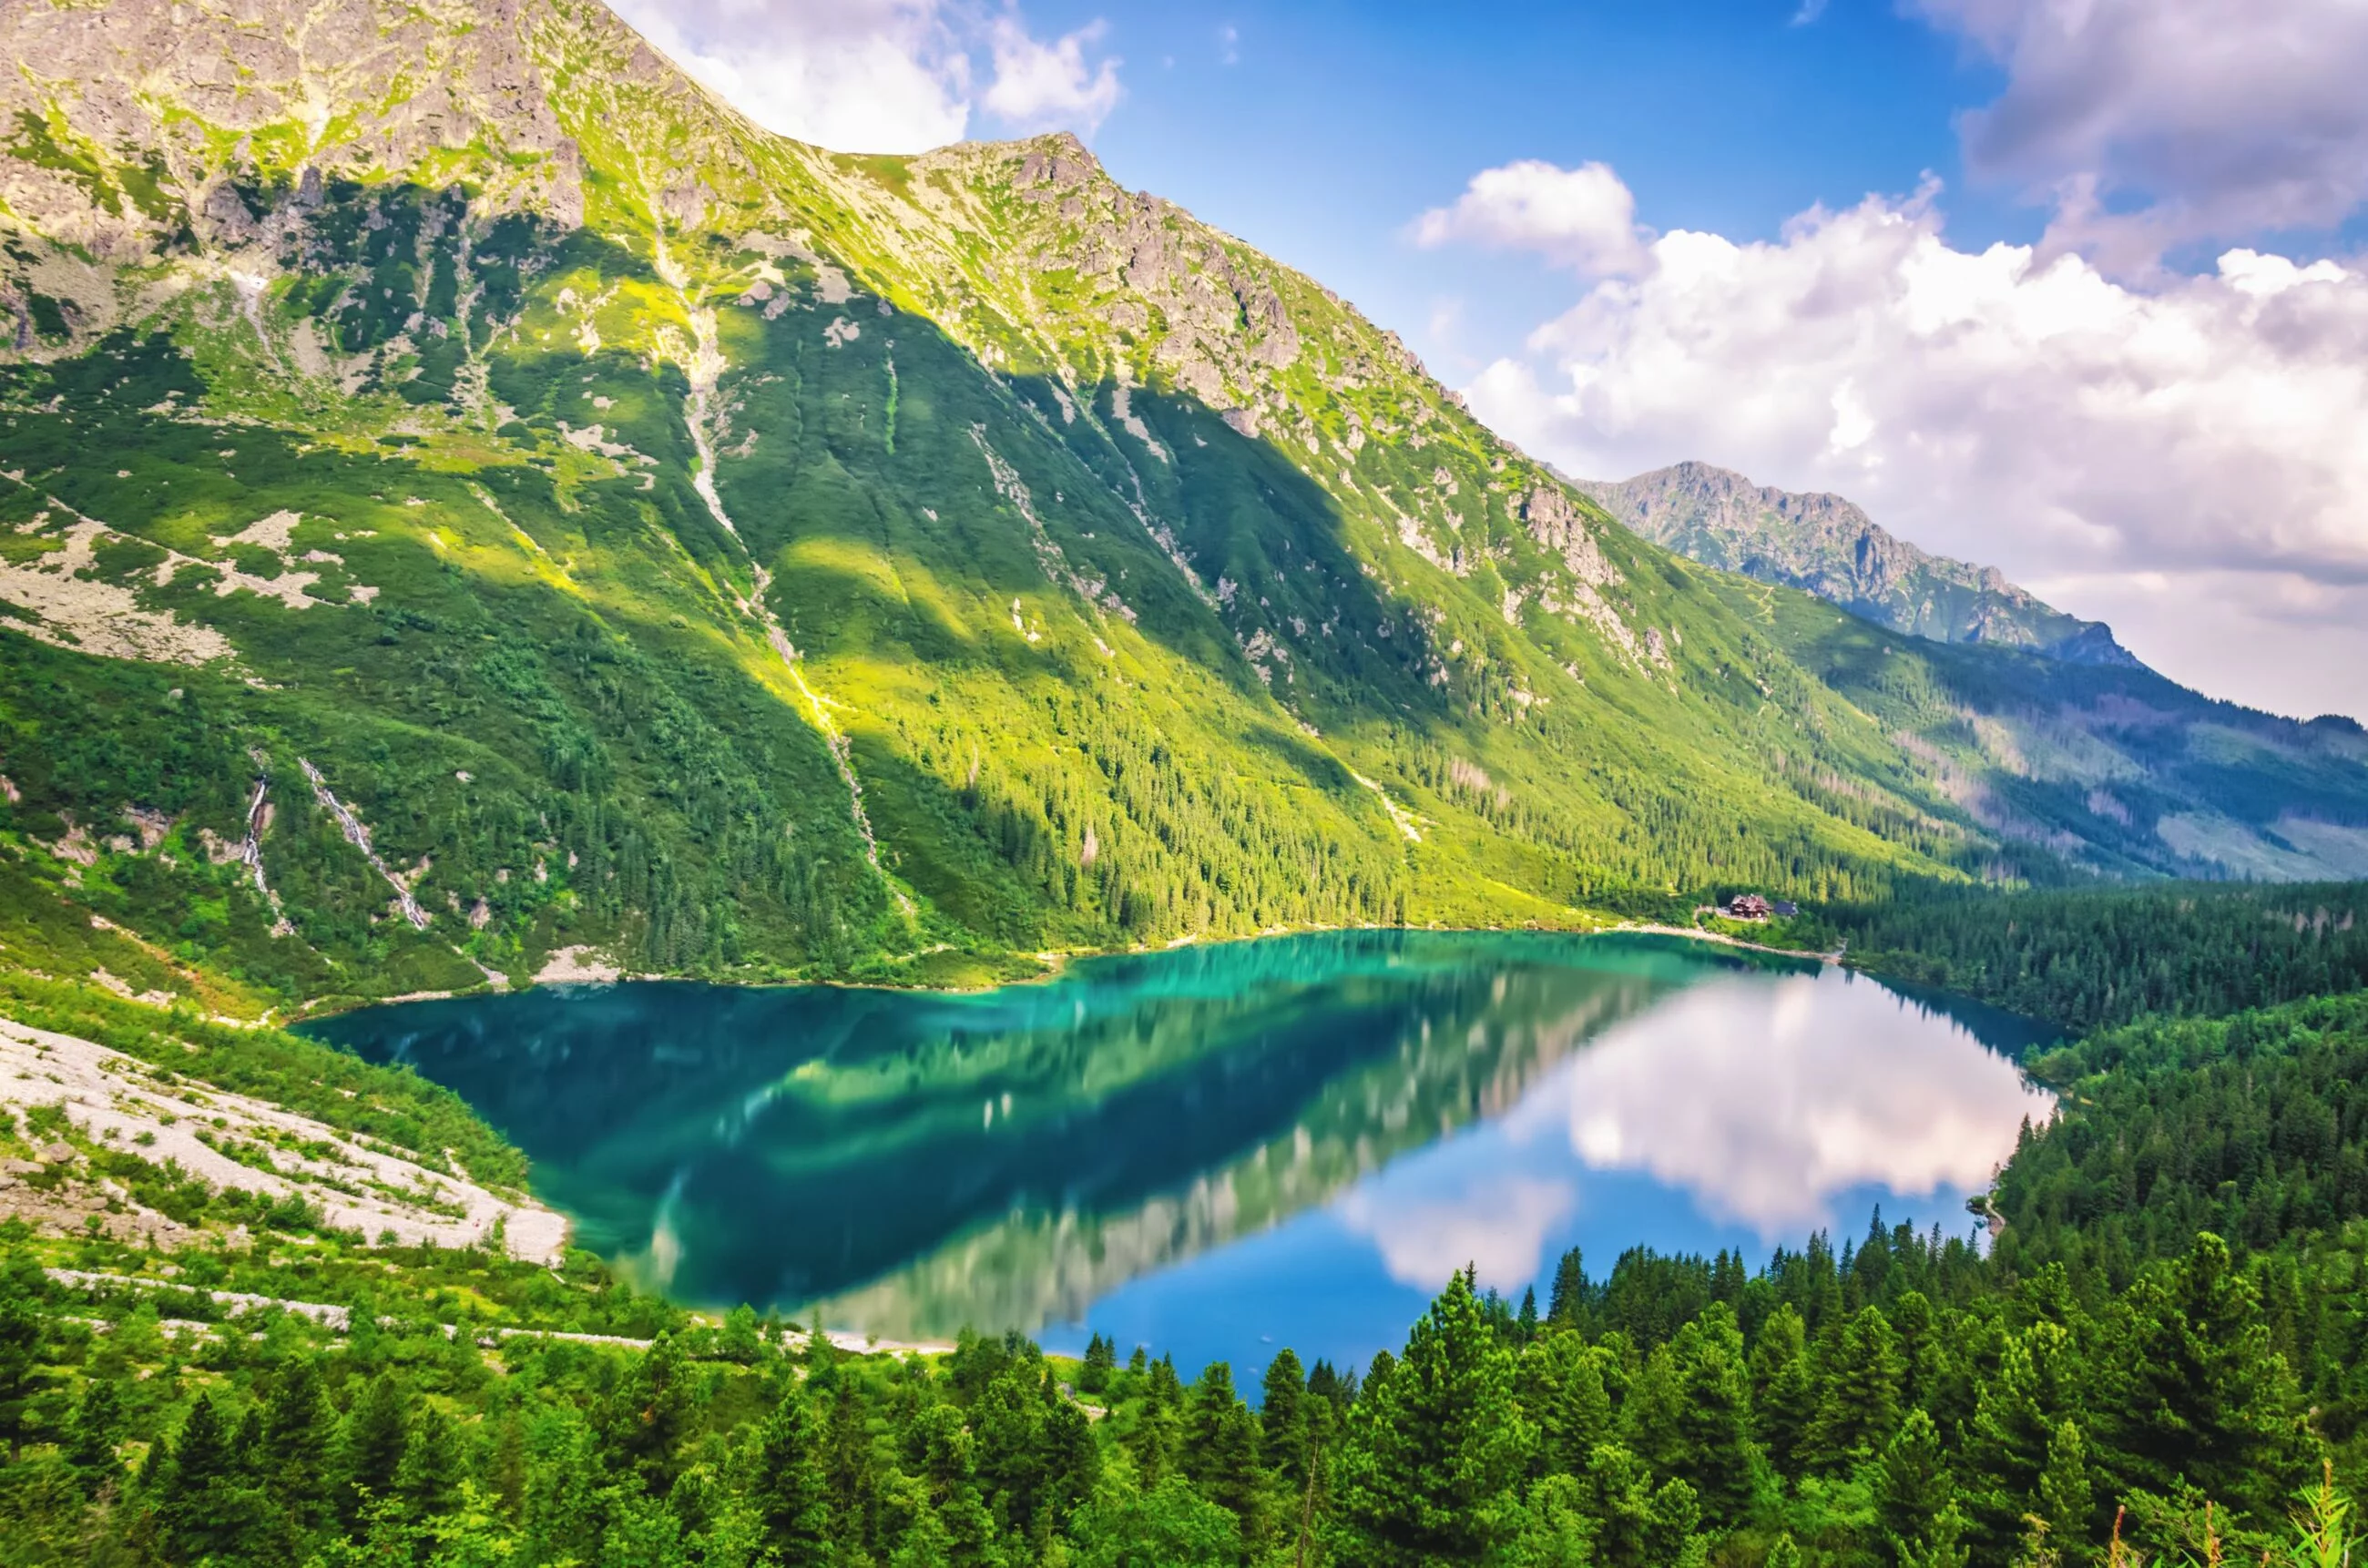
x: 1224, y: 1149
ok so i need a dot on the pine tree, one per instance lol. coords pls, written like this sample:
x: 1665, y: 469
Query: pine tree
x: 1715, y: 1417
x: 204, y: 1507
x: 1557, y: 1531
x: 741, y: 1341
x: 1159, y: 1430
x: 1923, y: 1362
x: 428, y: 1480
x: 375, y: 1433
x: 20, y: 1341
x: 1783, y: 1388
x: 650, y: 1414
x: 1581, y: 1418
x: 1102, y: 1361
x: 1221, y: 1447
x: 98, y: 1427
x: 1283, y: 1422
x: 1008, y: 1423
x: 506, y: 1466
x: 2016, y: 1415
x: 1911, y: 1487
x: 1436, y: 1447
x: 564, y: 1507
x: 1566, y: 1306
x: 1639, y: 1525
x: 948, y: 1470
x: 2195, y: 1391
x: 1073, y: 1463
x: 642, y: 1533
x: 788, y: 1487
x: 296, y: 1446
x: 853, y: 1475
x: 2066, y: 1499
x: 1170, y: 1526
x: 926, y: 1542
x: 1858, y: 1391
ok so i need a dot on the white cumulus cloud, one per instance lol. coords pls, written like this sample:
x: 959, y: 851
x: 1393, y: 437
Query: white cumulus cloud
x: 2188, y: 460
x: 880, y: 75
x: 1037, y: 86
x: 2153, y: 122
x: 1583, y: 218
x: 862, y: 76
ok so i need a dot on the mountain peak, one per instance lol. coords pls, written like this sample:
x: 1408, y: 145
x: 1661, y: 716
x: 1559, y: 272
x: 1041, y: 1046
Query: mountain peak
x: 1827, y: 545
x: 595, y: 520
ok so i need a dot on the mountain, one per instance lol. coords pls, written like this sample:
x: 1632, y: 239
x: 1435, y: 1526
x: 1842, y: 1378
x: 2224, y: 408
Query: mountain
x: 476, y: 507
x: 1824, y: 545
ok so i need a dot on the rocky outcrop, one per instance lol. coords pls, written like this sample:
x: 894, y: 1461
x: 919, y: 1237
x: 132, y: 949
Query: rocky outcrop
x: 1223, y: 318
x: 166, y: 121
x: 1827, y: 546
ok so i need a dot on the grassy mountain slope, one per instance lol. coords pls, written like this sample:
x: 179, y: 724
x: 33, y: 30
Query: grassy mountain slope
x: 2036, y: 722
x: 473, y: 497
x: 2114, y: 768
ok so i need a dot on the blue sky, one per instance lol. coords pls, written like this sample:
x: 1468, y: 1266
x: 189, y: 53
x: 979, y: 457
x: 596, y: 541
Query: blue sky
x: 2072, y: 288
x: 1335, y: 125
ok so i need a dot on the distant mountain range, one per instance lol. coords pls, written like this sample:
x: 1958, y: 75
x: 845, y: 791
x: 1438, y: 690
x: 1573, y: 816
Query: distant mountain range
x: 1824, y: 545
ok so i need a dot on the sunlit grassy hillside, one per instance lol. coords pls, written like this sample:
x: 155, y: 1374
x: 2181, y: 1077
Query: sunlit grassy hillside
x: 471, y: 498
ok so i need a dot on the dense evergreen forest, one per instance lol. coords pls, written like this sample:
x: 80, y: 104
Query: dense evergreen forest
x: 2160, y: 1358
x: 2108, y: 955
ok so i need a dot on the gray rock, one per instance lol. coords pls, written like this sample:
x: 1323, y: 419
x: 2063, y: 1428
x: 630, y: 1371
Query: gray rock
x: 1824, y: 545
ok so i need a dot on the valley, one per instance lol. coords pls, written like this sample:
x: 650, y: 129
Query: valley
x: 702, y: 841
x: 721, y: 557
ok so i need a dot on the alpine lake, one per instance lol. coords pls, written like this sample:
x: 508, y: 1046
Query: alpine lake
x: 1219, y: 1151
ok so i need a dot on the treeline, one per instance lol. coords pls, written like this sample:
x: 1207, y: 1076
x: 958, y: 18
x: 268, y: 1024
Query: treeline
x: 1634, y: 847
x: 1119, y: 828
x: 2103, y: 1373
x: 1826, y: 1410
x: 2112, y: 955
x: 2255, y: 1127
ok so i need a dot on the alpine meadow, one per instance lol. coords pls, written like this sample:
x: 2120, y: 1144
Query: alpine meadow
x: 478, y: 513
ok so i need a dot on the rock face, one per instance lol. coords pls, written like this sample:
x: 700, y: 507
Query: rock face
x: 1827, y: 546
x: 164, y: 103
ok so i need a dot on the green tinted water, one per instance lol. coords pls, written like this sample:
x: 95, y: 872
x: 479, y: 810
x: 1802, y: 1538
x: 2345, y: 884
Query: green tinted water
x: 1220, y: 1149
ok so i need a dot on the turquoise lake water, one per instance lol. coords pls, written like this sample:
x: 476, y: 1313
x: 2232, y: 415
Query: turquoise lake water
x: 1218, y: 1151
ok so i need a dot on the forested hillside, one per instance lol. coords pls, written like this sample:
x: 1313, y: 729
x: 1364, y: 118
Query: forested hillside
x: 2157, y: 1361
x: 475, y: 506
x: 2117, y: 770
x: 2085, y: 957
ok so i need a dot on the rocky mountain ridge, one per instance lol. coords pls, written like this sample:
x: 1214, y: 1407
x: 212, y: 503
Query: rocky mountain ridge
x: 1826, y: 545
x: 537, y: 493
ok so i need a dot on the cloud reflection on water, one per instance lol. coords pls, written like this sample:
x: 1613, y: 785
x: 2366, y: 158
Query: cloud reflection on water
x: 1764, y: 1114
x: 1498, y: 1227
x: 1758, y: 1102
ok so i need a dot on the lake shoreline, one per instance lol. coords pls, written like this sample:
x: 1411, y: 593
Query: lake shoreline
x: 1055, y: 964
x: 1722, y: 938
x: 1224, y: 1150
